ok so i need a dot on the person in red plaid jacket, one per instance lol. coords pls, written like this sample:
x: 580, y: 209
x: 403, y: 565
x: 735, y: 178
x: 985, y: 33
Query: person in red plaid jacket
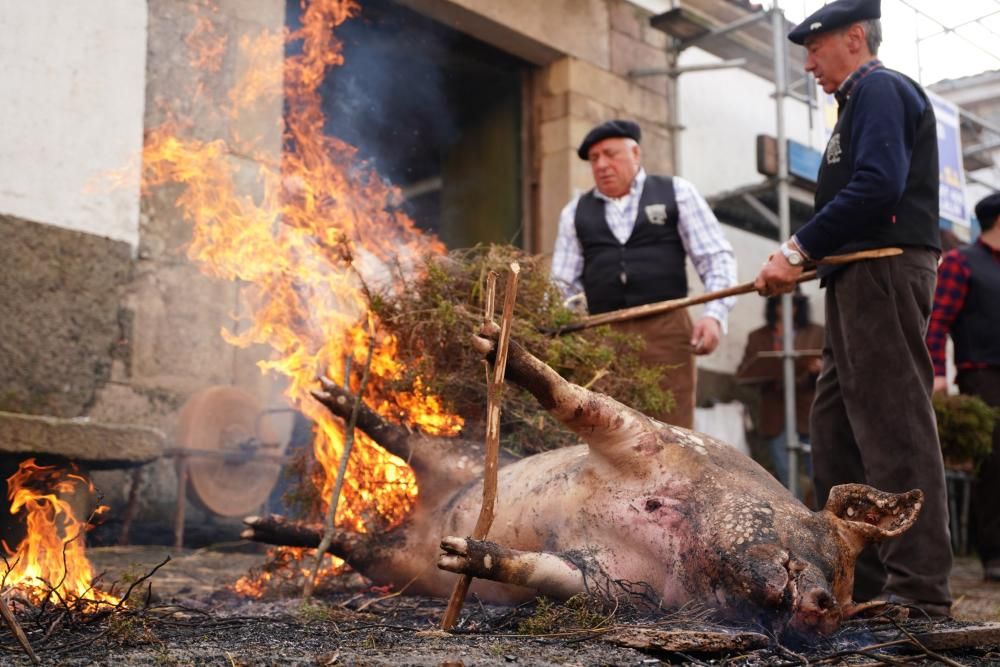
x: 967, y: 306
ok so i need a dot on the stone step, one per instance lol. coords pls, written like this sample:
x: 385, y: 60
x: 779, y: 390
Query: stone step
x: 93, y: 444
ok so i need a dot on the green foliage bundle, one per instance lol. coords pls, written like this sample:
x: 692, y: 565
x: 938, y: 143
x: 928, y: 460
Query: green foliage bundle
x: 434, y: 315
x: 965, y: 427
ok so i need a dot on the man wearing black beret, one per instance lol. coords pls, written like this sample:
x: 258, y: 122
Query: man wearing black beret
x: 624, y: 243
x: 967, y: 306
x: 873, y: 421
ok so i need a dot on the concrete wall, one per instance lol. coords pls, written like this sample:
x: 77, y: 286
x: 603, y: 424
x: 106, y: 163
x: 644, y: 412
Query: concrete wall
x: 74, y: 86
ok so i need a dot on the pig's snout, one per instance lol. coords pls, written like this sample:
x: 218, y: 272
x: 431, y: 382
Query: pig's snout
x: 817, y: 611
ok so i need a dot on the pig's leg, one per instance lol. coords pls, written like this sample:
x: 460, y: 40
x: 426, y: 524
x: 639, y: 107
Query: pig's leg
x: 339, y: 401
x: 552, y: 575
x: 609, y: 427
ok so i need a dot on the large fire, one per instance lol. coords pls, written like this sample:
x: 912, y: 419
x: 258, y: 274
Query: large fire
x: 312, y: 241
x: 50, y: 562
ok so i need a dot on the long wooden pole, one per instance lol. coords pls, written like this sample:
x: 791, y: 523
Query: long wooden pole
x: 493, y: 400
x: 659, y: 307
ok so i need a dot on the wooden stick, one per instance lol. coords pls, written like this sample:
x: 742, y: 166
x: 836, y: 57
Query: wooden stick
x: 493, y: 399
x: 15, y: 627
x: 329, y: 523
x: 676, y: 304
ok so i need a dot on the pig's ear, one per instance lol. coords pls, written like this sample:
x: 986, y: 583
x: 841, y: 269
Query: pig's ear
x: 869, y: 515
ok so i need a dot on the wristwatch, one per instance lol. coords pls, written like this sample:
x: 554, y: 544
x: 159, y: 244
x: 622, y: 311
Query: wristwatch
x: 793, y: 256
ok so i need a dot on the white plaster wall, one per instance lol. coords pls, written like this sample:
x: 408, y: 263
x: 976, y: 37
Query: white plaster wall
x: 74, y: 90
x: 722, y: 112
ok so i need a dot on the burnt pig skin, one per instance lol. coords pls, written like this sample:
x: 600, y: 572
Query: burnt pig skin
x: 642, y: 508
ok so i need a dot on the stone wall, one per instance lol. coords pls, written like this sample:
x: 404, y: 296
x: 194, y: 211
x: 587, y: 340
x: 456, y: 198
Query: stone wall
x: 61, y: 321
x: 573, y: 94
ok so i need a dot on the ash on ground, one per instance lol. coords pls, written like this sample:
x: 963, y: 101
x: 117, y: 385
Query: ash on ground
x: 189, y: 615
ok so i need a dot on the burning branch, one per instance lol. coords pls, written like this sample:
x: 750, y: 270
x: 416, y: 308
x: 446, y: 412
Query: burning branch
x: 331, y: 512
x: 493, y: 399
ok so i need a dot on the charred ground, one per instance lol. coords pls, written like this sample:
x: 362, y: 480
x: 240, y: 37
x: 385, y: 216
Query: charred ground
x: 187, y: 615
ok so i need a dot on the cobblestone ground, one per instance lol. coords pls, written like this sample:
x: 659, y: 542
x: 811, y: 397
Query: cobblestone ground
x: 975, y: 600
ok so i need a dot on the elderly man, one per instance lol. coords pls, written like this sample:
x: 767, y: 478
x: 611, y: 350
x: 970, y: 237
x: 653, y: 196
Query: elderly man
x: 967, y: 306
x: 872, y: 420
x: 624, y: 244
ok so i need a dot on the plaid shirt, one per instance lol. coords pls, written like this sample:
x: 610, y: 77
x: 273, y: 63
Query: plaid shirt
x: 847, y: 86
x: 700, y: 233
x: 949, y: 297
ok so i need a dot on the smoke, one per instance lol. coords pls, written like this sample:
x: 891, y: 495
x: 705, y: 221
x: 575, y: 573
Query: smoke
x: 390, y: 97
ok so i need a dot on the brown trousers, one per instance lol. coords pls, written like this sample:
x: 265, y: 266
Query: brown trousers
x: 668, y: 344
x: 873, y: 421
x: 985, y: 383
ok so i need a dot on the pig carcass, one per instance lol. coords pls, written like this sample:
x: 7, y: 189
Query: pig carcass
x: 642, y: 509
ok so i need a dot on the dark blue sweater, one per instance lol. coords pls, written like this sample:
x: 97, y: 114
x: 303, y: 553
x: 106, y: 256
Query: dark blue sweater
x: 882, y: 120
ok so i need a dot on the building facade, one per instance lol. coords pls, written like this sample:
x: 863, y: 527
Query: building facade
x: 107, y: 318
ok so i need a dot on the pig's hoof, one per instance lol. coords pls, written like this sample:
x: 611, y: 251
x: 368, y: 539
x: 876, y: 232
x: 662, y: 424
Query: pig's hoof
x: 467, y: 556
x: 455, y: 556
x: 455, y: 545
x: 482, y: 345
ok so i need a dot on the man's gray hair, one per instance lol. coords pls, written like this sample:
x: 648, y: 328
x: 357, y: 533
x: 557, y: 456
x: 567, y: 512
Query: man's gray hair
x: 873, y: 34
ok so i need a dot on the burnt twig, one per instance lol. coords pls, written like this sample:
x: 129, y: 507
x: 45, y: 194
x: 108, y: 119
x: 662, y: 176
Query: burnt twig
x: 331, y: 512
x: 15, y: 628
x: 140, y: 580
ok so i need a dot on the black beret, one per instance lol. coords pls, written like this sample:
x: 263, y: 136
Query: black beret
x: 987, y: 210
x: 836, y: 15
x: 612, y: 128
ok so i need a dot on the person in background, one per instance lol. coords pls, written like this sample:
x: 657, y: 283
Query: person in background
x: 769, y: 338
x: 624, y: 243
x: 967, y: 306
x: 873, y: 421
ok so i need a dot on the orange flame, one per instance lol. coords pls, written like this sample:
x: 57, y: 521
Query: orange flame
x: 317, y: 237
x: 286, y: 565
x: 50, y: 561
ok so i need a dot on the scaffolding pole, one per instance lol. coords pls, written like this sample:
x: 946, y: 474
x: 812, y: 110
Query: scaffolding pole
x: 784, y: 226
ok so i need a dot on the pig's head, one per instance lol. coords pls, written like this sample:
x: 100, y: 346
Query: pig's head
x: 820, y: 593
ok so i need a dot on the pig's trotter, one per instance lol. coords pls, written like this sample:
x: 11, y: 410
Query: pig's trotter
x: 550, y: 574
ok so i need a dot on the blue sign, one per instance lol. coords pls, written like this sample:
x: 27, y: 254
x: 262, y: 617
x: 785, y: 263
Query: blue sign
x: 803, y: 162
x: 954, y: 208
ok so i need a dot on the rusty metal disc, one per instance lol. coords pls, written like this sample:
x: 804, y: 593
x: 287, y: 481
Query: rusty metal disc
x: 230, y: 449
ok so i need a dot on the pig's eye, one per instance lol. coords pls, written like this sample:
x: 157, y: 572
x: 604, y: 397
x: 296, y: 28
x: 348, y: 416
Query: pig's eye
x: 653, y: 504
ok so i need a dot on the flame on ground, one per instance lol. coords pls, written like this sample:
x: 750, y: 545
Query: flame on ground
x: 50, y: 562
x: 290, y: 566
x: 315, y: 238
